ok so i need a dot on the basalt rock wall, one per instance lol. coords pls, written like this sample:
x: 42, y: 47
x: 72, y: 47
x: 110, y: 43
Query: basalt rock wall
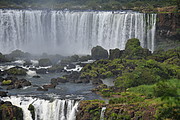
x: 168, y: 30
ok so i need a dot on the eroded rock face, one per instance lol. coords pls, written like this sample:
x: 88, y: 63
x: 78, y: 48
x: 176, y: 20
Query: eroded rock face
x: 10, y: 112
x: 167, y: 24
x: 167, y: 30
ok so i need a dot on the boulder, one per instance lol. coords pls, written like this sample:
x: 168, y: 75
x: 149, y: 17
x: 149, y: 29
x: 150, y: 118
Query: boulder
x: 10, y: 87
x: 115, y: 53
x: 22, y: 83
x: 99, y: 53
x: 10, y: 112
x: 12, y: 78
x: 6, y: 82
x: 36, y: 76
x: 41, y: 89
x: 16, y: 71
x: 41, y: 71
x: 49, y: 86
x: 55, y: 69
x: 82, y: 81
x: 85, y: 58
x: 18, y: 84
x: 62, y: 79
x: 74, y: 58
x: 45, y: 62
x: 133, y: 50
x: 73, y: 76
x: 3, y: 94
x: 54, y: 81
x: 16, y: 54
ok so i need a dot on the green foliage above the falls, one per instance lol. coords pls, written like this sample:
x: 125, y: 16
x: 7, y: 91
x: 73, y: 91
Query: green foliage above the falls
x: 140, y: 5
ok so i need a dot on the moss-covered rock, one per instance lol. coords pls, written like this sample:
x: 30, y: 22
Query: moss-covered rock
x: 133, y: 50
x: 32, y: 111
x: 55, y: 68
x: 115, y: 53
x: 18, y: 54
x: 16, y: 71
x: 99, y: 53
x: 45, y: 62
x: 7, y: 82
x: 85, y: 58
x: 10, y: 112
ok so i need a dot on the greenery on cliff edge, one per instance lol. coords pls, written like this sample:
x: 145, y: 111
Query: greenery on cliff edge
x: 140, y: 5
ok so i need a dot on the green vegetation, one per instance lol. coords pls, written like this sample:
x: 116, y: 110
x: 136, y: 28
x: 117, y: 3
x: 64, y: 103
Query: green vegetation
x: 6, y: 82
x: 146, y: 85
x: 16, y: 71
x: 140, y: 5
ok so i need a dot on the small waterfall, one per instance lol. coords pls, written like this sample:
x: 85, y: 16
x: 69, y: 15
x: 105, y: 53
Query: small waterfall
x: 73, y: 32
x: 102, y: 113
x: 45, y: 109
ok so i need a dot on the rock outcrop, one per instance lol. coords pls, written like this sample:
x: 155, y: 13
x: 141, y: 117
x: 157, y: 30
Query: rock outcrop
x: 167, y: 30
x: 99, y: 53
x: 10, y: 112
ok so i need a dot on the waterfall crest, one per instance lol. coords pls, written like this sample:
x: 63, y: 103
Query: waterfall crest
x: 45, y: 109
x: 73, y: 32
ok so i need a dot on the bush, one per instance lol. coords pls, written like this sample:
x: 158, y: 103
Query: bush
x: 165, y: 89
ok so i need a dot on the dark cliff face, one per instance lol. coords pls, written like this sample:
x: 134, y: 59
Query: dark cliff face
x: 168, y: 30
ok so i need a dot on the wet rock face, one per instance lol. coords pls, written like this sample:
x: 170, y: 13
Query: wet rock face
x: 10, y: 112
x: 168, y: 24
x: 167, y: 30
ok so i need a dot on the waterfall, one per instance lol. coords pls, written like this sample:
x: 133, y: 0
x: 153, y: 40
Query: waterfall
x: 45, y: 109
x: 73, y: 32
x: 102, y: 113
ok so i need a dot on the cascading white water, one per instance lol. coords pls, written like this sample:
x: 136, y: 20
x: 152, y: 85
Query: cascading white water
x: 73, y: 32
x: 45, y: 109
x: 102, y: 113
